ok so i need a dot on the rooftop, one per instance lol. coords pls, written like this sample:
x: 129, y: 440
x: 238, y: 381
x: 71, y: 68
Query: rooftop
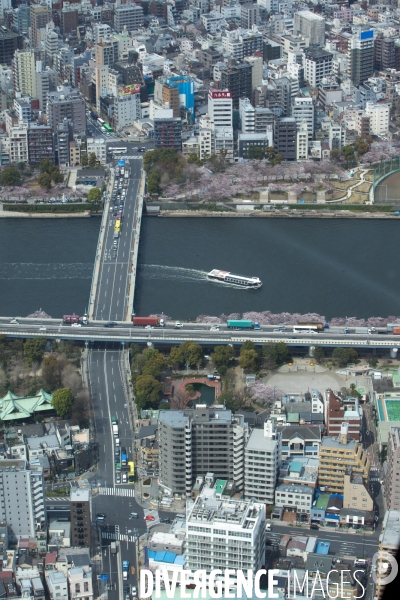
x: 390, y: 537
x: 258, y: 441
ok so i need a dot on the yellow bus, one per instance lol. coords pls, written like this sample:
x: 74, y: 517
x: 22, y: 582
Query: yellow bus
x: 118, y: 225
x: 131, y: 476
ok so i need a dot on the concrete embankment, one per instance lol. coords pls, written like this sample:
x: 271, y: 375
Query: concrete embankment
x: 26, y: 215
x: 279, y: 215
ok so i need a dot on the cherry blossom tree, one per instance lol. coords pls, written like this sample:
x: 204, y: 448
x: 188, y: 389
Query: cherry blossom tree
x: 265, y: 393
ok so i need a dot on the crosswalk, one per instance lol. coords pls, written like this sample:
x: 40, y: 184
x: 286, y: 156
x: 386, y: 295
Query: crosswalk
x: 117, y: 491
x: 57, y: 499
x: 120, y: 537
x: 129, y: 157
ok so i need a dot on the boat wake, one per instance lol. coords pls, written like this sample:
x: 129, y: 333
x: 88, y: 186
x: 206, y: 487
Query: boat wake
x: 42, y: 271
x: 162, y: 272
x: 173, y: 273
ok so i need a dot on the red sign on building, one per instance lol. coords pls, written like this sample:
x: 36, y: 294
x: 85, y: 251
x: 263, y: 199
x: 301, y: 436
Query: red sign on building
x: 217, y: 94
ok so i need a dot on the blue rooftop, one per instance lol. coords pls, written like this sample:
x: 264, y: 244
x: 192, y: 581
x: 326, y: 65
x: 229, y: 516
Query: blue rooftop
x: 167, y: 557
x: 296, y: 467
x: 322, y: 547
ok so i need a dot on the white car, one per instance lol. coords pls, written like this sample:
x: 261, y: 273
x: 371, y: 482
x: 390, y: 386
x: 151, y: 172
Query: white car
x: 14, y: 322
x: 76, y: 325
x: 214, y: 328
x: 149, y: 327
x: 178, y: 325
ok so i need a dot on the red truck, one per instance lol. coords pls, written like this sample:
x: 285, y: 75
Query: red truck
x: 144, y: 321
x: 396, y: 330
x: 71, y: 319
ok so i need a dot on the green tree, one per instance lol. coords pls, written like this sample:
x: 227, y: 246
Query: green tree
x: 192, y: 353
x: 361, y: 146
x: 270, y: 152
x: 341, y: 356
x: 256, y: 153
x: 44, y: 180
x: 10, y: 176
x: 92, y: 159
x: 277, y: 159
x: 335, y: 154
x: 62, y: 401
x: 249, y: 359
x: 134, y: 349
x: 56, y: 176
x: 46, y: 166
x: 153, y: 182
x: 84, y: 160
x: 222, y: 355
x: 175, y: 358
x: 275, y: 354
x: 248, y: 345
x: 147, y: 390
x: 193, y: 159
x: 21, y: 166
x: 319, y: 354
x: 94, y: 194
x: 51, y: 373
x: 34, y: 349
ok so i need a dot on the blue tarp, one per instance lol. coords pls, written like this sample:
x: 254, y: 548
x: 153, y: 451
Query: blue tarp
x: 322, y: 548
x: 167, y: 557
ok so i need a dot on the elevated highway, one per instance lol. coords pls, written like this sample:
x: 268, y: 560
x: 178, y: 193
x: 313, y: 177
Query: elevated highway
x: 124, y: 333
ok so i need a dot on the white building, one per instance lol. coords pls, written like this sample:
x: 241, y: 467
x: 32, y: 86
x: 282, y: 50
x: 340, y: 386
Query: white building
x: 220, y: 108
x: 19, y: 143
x: 262, y: 461
x: 57, y: 585
x: 337, y: 136
x: 127, y: 110
x: 100, y: 31
x: 317, y: 402
x: 80, y: 583
x: 379, y: 117
x: 99, y: 148
x: 21, y: 496
x: 225, y: 534
x: 303, y: 112
x: 311, y: 26
x: 22, y: 107
x: 212, y: 21
x: 247, y: 114
x: 297, y: 498
x: 302, y: 142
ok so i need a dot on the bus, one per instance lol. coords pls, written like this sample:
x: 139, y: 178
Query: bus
x: 118, y: 150
x: 100, y: 121
x: 306, y: 329
x: 108, y: 128
x: 118, y: 225
x: 131, y: 476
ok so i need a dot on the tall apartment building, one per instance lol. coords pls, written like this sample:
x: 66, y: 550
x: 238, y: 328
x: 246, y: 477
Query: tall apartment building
x: 220, y: 107
x: 69, y: 20
x: 24, y: 72
x: 389, y: 542
x: 391, y: 480
x: 262, y: 462
x: 336, y: 456
x: 317, y: 64
x: 339, y: 410
x: 199, y: 441
x: 379, y: 115
x: 361, y: 56
x: 21, y: 497
x: 66, y: 103
x: 101, y: 31
x: 249, y: 15
x: 302, y: 142
x: 22, y: 18
x: 303, y: 112
x: 311, y: 26
x: 129, y: 16
x: 285, y: 138
x: 225, y: 534
x: 355, y: 493
x: 46, y: 81
x: 168, y: 133
x: 80, y: 506
x: 127, y: 110
x: 106, y: 52
x: 170, y: 96
x: 384, y: 52
x: 247, y: 114
x: 40, y: 143
x: 238, y: 80
x: 10, y: 42
x: 64, y: 136
x: 40, y: 16
x: 18, y: 140
x: 256, y: 63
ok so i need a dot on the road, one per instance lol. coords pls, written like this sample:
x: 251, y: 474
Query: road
x: 112, y: 291
x: 342, y: 544
x: 106, y: 374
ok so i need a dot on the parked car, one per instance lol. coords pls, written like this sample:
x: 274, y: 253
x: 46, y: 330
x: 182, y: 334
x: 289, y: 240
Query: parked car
x: 100, y: 517
x: 314, y: 526
x: 149, y: 518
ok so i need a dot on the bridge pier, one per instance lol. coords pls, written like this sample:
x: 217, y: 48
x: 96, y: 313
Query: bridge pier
x: 311, y: 351
x: 393, y: 352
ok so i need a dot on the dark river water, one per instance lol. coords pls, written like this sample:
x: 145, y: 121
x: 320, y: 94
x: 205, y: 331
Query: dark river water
x: 335, y: 268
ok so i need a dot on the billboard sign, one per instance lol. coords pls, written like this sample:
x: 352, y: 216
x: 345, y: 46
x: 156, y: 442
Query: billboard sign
x: 367, y: 35
x: 218, y: 94
x: 128, y: 90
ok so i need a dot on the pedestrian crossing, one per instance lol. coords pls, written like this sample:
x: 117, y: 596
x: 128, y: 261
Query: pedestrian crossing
x: 57, y: 499
x: 129, y: 157
x: 117, y: 491
x: 118, y: 537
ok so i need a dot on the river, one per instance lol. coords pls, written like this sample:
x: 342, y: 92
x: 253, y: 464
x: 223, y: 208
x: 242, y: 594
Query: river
x: 332, y: 267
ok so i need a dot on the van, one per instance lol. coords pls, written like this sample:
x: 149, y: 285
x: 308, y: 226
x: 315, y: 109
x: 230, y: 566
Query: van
x: 117, y: 442
x: 124, y: 478
x: 360, y: 562
x: 268, y: 527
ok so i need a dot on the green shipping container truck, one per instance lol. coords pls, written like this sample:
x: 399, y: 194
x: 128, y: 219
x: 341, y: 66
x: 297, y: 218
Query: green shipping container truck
x: 114, y: 420
x: 240, y: 324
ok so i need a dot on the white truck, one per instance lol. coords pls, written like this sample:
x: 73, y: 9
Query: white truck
x: 125, y: 570
x: 115, y: 430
